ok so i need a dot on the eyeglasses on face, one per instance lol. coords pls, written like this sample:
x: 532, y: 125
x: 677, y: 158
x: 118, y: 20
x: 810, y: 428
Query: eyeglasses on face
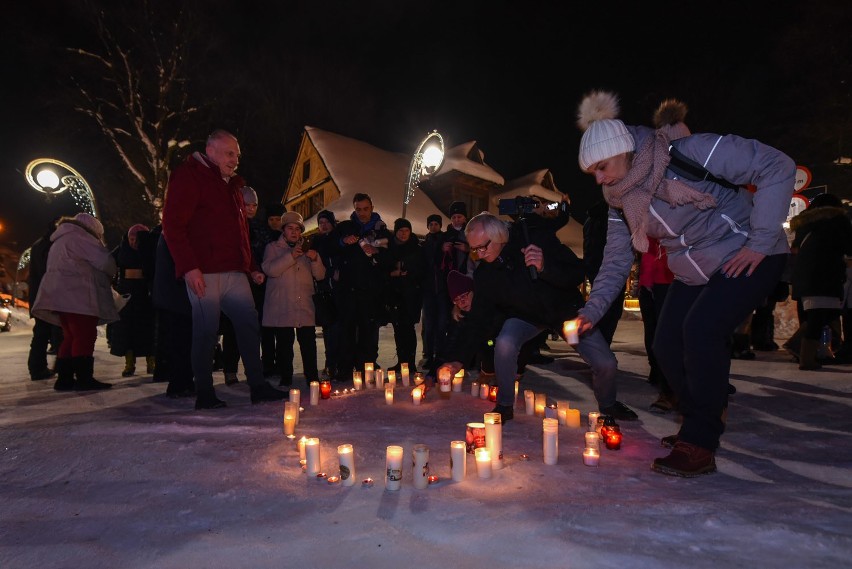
x: 481, y: 249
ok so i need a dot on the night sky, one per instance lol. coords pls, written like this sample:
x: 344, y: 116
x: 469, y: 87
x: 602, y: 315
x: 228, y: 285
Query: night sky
x: 506, y: 74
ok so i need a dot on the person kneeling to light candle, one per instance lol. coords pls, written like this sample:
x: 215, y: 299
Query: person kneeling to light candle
x: 504, y: 285
x: 725, y: 247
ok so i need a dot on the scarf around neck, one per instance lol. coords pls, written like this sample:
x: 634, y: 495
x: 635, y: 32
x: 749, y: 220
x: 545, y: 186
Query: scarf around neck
x: 645, y: 181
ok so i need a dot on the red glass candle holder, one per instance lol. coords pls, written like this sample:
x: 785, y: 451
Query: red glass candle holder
x: 325, y: 389
x: 613, y: 438
x: 492, y: 393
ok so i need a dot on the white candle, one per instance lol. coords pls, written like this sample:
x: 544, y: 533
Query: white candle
x: 593, y: 441
x: 474, y: 389
x: 573, y: 418
x: 392, y: 377
x: 540, y: 404
x: 416, y: 395
x: 591, y: 457
x: 290, y: 412
x: 357, y: 382
x: 483, y: 462
x: 389, y: 394
x: 393, y: 467
x: 529, y: 401
x: 444, y: 383
x: 569, y: 331
x: 380, y: 378
x: 420, y: 466
x: 562, y: 412
x: 484, y: 389
x: 403, y: 370
x: 368, y: 374
x: 312, y: 456
x: 315, y: 393
x: 346, y: 458
x: 458, y: 379
x: 550, y: 428
x: 593, y: 420
x: 302, y: 442
x: 494, y: 438
x: 458, y: 460
x: 296, y: 397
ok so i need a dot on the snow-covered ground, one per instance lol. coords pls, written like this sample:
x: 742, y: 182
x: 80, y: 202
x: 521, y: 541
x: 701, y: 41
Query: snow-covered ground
x: 128, y: 478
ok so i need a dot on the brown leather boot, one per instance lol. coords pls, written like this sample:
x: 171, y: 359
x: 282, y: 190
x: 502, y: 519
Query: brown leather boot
x: 686, y: 460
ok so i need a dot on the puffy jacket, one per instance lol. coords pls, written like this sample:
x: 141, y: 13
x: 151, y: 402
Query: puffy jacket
x: 78, y: 279
x: 700, y: 242
x: 289, y: 299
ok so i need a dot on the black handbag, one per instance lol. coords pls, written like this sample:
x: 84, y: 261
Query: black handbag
x: 324, y: 308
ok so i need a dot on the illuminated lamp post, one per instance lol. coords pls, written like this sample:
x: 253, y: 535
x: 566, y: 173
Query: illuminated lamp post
x: 426, y: 161
x: 42, y: 177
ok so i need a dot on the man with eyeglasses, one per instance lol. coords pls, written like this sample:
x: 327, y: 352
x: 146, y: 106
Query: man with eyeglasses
x: 503, y: 285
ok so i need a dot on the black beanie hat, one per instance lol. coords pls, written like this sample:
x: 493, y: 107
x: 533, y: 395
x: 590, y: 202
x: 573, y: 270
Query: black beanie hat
x: 327, y: 215
x: 458, y: 207
x: 436, y: 218
x: 275, y: 210
x: 400, y: 223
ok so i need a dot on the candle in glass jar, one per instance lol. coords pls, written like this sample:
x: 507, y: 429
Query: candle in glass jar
x: 484, y: 390
x: 529, y: 401
x: 290, y: 411
x: 483, y: 462
x: 458, y: 460
x: 569, y: 332
x: 325, y: 389
x: 403, y: 370
x: 357, y: 381
x: 550, y: 412
x: 391, y: 377
x: 380, y: 379
x: 550, y: 428
x: 315, y: 392
x: 492, y: 393
x: 474, y: 389
x: 494, y: 438
x: 302, y: 449
x: 420, y: 466
x: 368, y: 373
x: 517, y: 387
x: 591, y: 457
x: 312, y: 456
x: 458, y: 379
x: 296, y: 397
x: 418, y: 378
x: 593, y: 420
x: 393, y: 467
x: 346, y: 459
x: 444, y: 383
x: 540, y: 404
x: 417, y: 395
x: 593, y: 440
x: 562, y: 412
x: 389, y: 394
x: 573, y: 418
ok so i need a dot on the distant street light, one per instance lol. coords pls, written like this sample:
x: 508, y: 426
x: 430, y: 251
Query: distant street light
x: 843, y: 161
x: 426, y: 161
x: 41, y: 177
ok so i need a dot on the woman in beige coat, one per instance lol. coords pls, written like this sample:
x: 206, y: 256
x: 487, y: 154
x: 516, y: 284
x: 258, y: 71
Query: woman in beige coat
x: 288, y: 307
x: 76, y: 294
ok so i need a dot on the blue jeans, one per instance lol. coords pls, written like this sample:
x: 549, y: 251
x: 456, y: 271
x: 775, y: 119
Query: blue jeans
x: 693, y: 344
x: 229, y: 293
x: 593, y: 348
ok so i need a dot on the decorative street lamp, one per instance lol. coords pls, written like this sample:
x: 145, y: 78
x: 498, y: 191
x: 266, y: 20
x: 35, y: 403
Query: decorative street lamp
x: 41, y: 175
x: 426, y: 161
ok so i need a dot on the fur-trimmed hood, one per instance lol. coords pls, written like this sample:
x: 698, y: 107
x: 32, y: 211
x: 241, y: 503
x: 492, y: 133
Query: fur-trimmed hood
x: 814, y: 215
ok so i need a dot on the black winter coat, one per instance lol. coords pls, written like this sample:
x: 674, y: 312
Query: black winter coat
x: 505, y: 289
x: 823, y: 237
x: 406, y: 292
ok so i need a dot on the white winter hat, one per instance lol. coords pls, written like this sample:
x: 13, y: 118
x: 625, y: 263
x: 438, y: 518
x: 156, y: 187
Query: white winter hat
x: 91, y: 223
x: 604, y: 139
x: 605, y: 136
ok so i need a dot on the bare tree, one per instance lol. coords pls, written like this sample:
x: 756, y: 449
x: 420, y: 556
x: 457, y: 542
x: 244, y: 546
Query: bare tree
x: 132, y: 84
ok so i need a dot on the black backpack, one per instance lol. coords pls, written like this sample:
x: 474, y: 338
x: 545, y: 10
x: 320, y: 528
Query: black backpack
x: 691, y: 170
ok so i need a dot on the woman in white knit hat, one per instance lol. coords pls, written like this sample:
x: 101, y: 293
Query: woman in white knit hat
x: 725, y: 247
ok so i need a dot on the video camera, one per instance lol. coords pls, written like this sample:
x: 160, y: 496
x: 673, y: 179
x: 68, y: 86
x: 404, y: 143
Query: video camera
x: 519, y: 205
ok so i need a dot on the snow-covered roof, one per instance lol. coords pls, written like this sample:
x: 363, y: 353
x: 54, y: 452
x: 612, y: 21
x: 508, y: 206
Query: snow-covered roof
x: 456, y: 158
x: 357, y: 167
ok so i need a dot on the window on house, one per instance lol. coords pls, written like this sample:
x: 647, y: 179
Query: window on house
x: 306, y: 171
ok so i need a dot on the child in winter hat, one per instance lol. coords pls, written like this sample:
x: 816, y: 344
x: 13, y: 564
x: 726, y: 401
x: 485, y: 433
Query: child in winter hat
x: 458, y: 284
x: 327, y: 215
x: 249, y: 195
x: 401, y: 223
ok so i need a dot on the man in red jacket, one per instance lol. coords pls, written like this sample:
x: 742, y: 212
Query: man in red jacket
x: 205, y: 229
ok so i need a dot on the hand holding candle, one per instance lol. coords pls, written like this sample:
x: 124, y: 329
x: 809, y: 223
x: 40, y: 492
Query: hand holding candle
x: 570, y: 331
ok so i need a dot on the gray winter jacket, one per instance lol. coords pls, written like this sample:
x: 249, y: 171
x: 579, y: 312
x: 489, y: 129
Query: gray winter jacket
x: 699, y: 242
x: 78, y: 278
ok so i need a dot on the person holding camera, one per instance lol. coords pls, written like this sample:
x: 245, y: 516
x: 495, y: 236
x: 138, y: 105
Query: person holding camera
x: 504, y: 283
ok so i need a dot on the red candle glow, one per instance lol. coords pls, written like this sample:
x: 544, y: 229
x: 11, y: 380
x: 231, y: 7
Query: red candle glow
x: 325, y: 389
x: 492, y: 393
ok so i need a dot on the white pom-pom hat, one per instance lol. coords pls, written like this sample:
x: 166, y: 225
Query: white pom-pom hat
x: 605, y: 136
